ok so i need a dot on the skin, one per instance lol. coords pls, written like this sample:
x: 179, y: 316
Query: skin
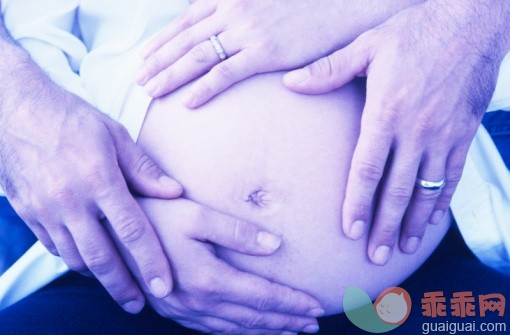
x: 66, y: 167
x: 59, y: 175
x: 417, y: 126
x: 281, y: 162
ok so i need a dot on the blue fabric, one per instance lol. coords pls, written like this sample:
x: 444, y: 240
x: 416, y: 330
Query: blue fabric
x: 498, y: 126
x: 15, y: 237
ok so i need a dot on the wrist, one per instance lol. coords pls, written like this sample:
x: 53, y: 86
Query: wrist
x: 361, y: 16
x: 484, y: 23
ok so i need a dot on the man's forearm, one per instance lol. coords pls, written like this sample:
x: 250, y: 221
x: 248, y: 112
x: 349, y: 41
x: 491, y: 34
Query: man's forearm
x: 358, y: 17
x: 16, y: 67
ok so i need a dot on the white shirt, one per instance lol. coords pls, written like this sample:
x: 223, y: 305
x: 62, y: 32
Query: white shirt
x: 99, y: 65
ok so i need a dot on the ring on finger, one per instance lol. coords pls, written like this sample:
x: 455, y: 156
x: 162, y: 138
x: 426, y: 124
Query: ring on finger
x: 430, y: 185
x: 218, y: 48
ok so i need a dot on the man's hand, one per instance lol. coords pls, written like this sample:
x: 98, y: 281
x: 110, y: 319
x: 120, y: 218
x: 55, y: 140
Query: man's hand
x: 209, y: 294
x: 431, y: 72
x: 258, y: 36
x: 65, y: 166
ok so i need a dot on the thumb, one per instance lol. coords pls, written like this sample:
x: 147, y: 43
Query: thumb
x: 330, y: 72
x: 143, y: 174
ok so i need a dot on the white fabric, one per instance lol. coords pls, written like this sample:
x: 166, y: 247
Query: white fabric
x: 99, y: 67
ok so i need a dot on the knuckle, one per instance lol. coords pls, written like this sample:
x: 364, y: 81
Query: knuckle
x: 33, y: 208
x: 387, y: 235
x: 203, y: 88
x: 454, y: 174
x: 323, y: 68
x: 95, y: 174
x: 368, y: 171
x: 205, y: 283
x: 154, y: 63
x: 254, y: 321
x: 443, y: 202
x: 240, y: 5
x: 242, y: 232
x: 99, y: 262
x: 199, y: 54
x: 129, y: 229
x: 268, y: 302
x: 60, y: 192
x: 399, y: 195
x: 224, y: 72
x: 144, y: 164
x: 423, y: 128
x: 391, y: 107
x: 194, y: 305
x: 186, y: 18
x: 186, y: 39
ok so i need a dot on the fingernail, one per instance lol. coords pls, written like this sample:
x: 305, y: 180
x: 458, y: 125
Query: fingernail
x: 315, y: 313
x: 158, y: 287
x: 436, y: 217
x: 268, y: 241
x: 169, y: 183
x: 133, y: 307
x: 412, y: 244
x: 144, y: 53
x: 298, y: 76
x: 357, y: 230
x: 311, y: 329
x: 151, y: 88
x: 141, y: 77
x: 189, y: 100
x: 381, y: 255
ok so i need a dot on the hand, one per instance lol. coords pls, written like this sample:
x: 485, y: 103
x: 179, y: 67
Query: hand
x: 65, y: 166
x: 431, y: 72
x: 258, y: 36
x: 209, y: 294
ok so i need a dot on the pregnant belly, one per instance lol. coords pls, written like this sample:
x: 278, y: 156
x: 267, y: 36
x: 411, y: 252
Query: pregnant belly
x: 280, y: 160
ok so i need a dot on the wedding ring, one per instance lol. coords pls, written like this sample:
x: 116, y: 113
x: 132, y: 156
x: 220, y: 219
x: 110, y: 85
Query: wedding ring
x: 218, y: 47
x: 430, y: 185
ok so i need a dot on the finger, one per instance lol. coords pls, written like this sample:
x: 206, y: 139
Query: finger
x: 255, y: 319
x: 134, y: 233
x: 422, y: 202
x: 260, y: 294
x: 176, y: 48
x: 142, y: 174
x: 221, y: 77
x: 196, y: 62
x: 188, y: 18
x: 367, y: 168
x: 43, y: 236
x: 394, y: 198
x: 67, y: 249
x: 330, y: 72
x: 233, y: 233
x: 453, y: 173
x: 103, y: 260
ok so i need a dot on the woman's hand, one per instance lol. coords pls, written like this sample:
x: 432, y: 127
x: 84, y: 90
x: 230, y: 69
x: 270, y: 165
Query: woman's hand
x: 258, y: 36
x: 211, y: 296
x: 431, y: 72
